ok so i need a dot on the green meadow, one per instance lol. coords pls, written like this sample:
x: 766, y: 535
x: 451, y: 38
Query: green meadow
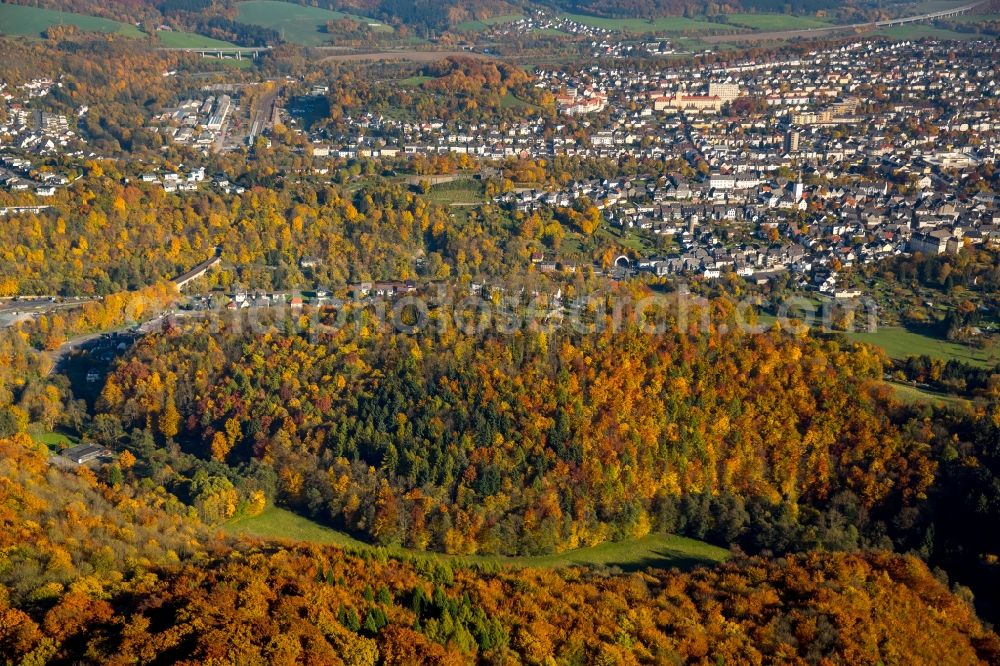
x: 295, y: 23
x: 900, y: 343
x: 775, y: 22
x: 654, y: 550
x: 914, y: 395
x: 33, y: 21
x: 189, y: 40
x: 56, y: 441
x: 461, y: 191
x: 483, y: 24
x: 663, y: 24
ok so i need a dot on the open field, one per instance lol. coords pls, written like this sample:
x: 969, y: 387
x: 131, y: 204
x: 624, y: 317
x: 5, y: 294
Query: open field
x: 511, y: 101
x: 775, y: 21
x: 776, y: 35
x: 626, y: 238
x: 906, y: 32
x: 176, y: 39
x: 56, y: 441
x: 483, y: 24
x: 33, y: 21
x: 296, y: 23
x: 245, y: 63
x: 654, y: 550
x: 900, y: 343
x: 411, y: 55
x: 663, y: 24
x: 914, y: 395
x: 462, y: 191
x: 418, y: 80
x: 549, y: 32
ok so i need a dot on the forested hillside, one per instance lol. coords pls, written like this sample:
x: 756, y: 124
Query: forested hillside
x: 483, y: 333
x: 220, y: 17
x: 537, y: 443
x: 531, y: 443
x: 91, y: 573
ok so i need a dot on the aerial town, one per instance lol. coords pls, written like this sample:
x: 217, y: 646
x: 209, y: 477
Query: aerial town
x: 762, y: 150
x: 780, y: 166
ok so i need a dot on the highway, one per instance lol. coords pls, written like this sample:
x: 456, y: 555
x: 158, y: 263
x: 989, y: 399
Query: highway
x: 810, y: 32
x: 19, y: 308
x: 238, y: 51
x: 954, y: 11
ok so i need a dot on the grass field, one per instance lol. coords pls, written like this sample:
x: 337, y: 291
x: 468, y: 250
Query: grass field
x: 415, y: 80
x: 56, y: 441
x: 33, y: 21
x: 188, y: 40
x: 245, y: 63
x: 510, y: 101
x: 663, y: 24
x: 912, y: 395
x: 655, y: 550
x: 900, y: 343
x: 477, y: 26
x: 629, y: 239
x: 462, y: 191
x: 295, y: 23
x: 549, y: 32
x: 770, y: 22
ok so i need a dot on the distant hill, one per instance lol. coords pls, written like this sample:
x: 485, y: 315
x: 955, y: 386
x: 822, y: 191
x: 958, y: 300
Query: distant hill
x: 258, y: 22
x: 654, y: 8
x: 34, y: 21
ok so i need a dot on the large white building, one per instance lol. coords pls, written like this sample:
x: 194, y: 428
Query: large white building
x: 727, y: 92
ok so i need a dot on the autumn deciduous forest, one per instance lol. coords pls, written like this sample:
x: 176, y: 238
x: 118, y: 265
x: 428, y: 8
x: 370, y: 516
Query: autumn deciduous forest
x: 531, y: 443
x: 542, y: 442
x: 102, y: 574
x: 442, y: 484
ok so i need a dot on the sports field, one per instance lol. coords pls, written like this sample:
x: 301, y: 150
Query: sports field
x: 654, y: 550
x: 33, y: 21
x: 295, y: 23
